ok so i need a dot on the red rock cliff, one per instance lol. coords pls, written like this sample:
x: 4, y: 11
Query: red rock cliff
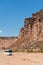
x: 33, y: 27
x: 31, y: 32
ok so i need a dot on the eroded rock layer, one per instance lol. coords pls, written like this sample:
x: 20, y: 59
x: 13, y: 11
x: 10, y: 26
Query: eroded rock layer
x: 31, y: 32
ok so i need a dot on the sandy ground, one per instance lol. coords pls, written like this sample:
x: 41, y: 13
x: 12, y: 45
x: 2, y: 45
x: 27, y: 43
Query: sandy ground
x: 20, y: 58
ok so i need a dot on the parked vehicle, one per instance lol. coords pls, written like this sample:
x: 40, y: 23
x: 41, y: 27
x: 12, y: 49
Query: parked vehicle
x: 8, y: 52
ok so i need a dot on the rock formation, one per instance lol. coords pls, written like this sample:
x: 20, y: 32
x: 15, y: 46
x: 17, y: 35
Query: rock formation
x: 5, y: 42
x: 31, y: 32
x: 33, y: 27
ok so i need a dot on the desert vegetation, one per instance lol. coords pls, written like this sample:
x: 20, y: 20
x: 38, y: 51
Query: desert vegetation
x: 32, y: 47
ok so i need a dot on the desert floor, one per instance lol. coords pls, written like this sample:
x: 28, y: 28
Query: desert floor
x: 21, y: 58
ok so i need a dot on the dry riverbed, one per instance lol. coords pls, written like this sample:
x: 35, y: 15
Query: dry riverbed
x: 21, y: 58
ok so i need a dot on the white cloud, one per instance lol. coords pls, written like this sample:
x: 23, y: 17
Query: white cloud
x: 0, y: 31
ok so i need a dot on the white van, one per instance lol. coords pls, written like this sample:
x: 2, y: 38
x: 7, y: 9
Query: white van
x: 8, y: 52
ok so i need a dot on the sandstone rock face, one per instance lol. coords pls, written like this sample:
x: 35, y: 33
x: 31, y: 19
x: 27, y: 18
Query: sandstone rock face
x: 31, y: 32
x: 33, y: 27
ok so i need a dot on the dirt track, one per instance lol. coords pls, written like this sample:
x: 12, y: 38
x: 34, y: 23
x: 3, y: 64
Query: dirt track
x: 21, y: 59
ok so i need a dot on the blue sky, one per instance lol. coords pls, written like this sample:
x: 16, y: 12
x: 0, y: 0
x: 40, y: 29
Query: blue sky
x: 13, y: 13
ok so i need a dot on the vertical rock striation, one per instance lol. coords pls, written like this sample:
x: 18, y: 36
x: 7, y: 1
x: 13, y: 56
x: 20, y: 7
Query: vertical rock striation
x: 33, y: 27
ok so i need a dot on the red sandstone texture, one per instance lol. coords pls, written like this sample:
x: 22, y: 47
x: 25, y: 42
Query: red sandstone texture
x: 31, y: 32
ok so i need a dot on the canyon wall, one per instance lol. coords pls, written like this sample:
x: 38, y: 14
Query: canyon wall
x: 33, y: 27
x: 31, y: 32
